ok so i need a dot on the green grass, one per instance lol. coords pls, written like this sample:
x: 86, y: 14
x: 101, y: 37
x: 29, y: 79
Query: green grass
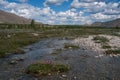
x: 112, y: 51
x: 43, y: 69
x: 116, y: 34
x: 17, y: 41
x: 106, y: 46
x: 100, y: 39
x: 2, y: 54
x: 70, y: 46
x: 60, y: 68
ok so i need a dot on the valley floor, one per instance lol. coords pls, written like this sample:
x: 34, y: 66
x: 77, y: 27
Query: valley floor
x: 90, y: 54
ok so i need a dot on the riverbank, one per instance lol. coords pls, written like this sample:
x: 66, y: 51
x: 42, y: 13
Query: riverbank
x: 12, y: 40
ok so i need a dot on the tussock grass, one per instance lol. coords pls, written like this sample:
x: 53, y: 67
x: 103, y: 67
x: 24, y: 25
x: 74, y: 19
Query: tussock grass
x: 106, y: 46
x: 43, y: 69
x: 100, y: 39
x: 70, y: 46
x: 112, y: 52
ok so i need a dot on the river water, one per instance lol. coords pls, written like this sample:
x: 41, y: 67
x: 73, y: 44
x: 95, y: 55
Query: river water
x: 83, y: 63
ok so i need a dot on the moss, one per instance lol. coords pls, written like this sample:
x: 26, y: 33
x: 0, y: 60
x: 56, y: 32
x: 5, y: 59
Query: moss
x: 41, y: 69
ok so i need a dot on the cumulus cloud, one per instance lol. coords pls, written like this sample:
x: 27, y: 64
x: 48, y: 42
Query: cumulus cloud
x: 78, y: 4
x: 54, y: 2
x: 90, y: 11
x: 98, y: 9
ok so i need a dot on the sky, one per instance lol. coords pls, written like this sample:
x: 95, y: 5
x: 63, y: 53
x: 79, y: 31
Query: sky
x: 71, y: 12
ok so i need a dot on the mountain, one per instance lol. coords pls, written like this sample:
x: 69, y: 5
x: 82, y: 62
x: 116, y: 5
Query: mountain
x: 113, y: 23
x: 11, y: 18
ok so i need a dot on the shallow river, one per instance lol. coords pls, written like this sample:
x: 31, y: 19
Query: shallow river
x: 83, y: 63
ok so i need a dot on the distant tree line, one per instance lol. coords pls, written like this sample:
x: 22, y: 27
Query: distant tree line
x: 21, y: 26
x: 35, y: 26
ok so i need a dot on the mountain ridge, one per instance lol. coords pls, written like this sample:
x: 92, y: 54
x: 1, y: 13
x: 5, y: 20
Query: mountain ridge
x: 10, y: 18
x: 112, y: 23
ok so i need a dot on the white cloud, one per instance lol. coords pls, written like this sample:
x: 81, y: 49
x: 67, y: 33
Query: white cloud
x: 103, y: 17
x: 91, y: 11
x: 98, y: 10
x: 77, y: 4
x: 3, y: 3
x: 54, y: 2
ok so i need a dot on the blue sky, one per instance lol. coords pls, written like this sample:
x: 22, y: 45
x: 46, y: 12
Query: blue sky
x: 64, y: 11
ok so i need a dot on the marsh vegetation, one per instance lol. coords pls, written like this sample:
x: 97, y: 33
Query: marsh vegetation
x: 16, y: 37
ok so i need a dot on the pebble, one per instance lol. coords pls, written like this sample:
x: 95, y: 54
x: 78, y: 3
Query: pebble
x: 35, y: 34
x: 99, y: 56
x: 70, y: 47
x: 13, y: 62
x: 49, y: 74
x: 8, y: 36
x: 75, y: 77
x: 64, y: 76
x: 18, y: 58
